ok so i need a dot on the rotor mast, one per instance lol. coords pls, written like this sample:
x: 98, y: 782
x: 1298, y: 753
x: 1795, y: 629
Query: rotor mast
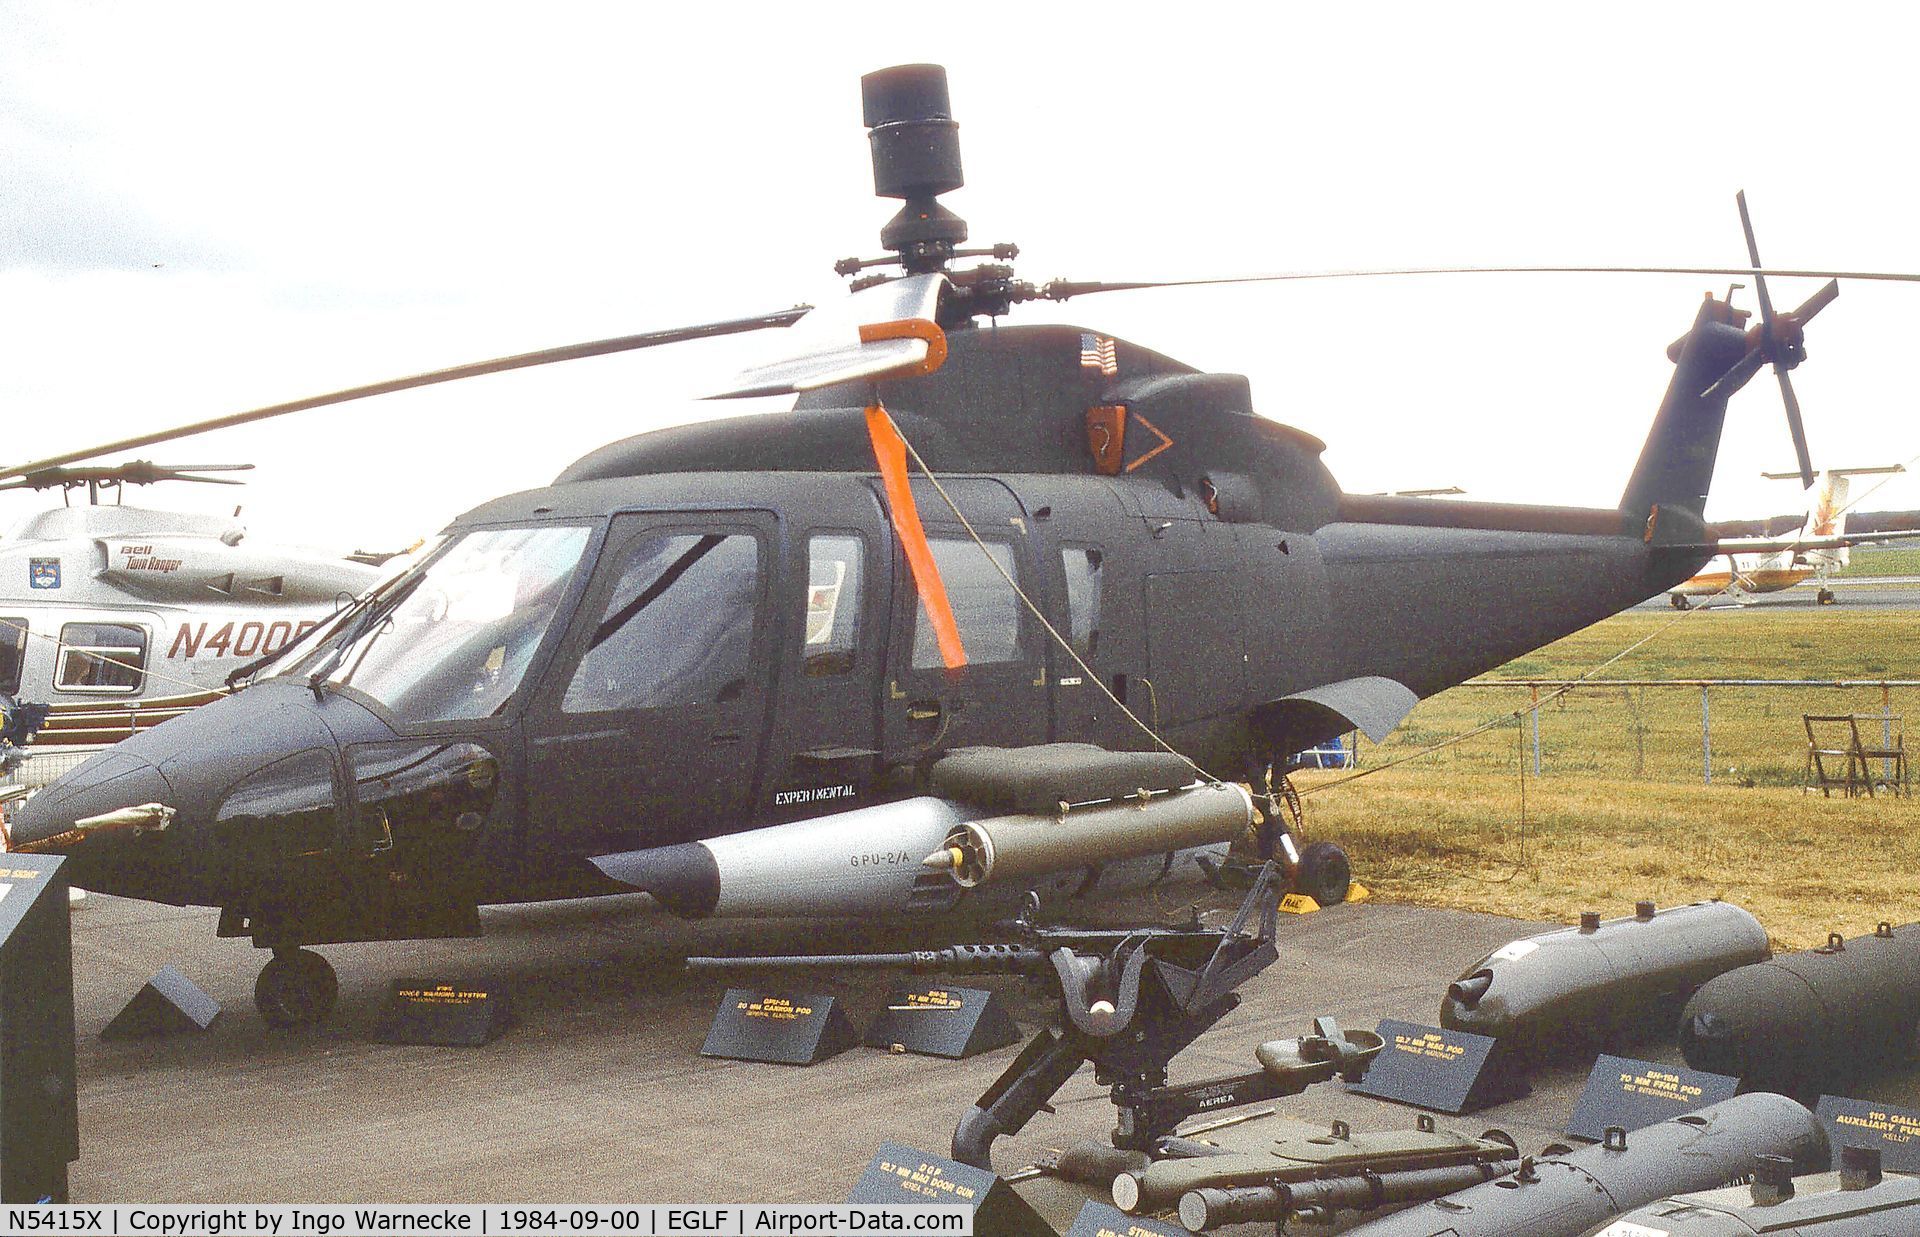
x: 915, y: 144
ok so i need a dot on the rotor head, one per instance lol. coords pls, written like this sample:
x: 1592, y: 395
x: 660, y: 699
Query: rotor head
x: 915, y: 145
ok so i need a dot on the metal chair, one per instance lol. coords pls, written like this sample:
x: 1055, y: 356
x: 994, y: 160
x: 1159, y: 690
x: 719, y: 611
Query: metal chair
x: 1838, y: 758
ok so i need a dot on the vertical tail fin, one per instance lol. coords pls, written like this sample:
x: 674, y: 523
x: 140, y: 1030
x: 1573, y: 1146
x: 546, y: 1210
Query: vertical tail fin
x: 1826, y: 515
x: 1676, y: 464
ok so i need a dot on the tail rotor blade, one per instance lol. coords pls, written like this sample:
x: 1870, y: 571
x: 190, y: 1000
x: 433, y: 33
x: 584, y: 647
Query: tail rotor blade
x: 1817, y: 302
x: 1795, y: 427
x: 1784, y: 343
x: 1753, y: 254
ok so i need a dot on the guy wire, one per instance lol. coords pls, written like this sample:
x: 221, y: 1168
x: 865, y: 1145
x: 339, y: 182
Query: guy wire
x: 1085, y: 669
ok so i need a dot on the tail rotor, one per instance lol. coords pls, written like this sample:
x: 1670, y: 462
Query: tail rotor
x: 1781, y: 339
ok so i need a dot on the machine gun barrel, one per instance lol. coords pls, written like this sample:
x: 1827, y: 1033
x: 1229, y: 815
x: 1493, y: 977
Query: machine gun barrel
x: 952, y: 960
x: 1216, y: 1207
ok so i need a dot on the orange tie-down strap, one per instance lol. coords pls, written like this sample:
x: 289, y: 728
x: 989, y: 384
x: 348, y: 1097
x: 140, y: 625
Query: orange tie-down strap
x: 890, y: 452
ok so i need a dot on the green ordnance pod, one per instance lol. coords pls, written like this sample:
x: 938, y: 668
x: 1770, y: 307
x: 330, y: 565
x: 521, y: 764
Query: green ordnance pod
x: 1338, y: 1153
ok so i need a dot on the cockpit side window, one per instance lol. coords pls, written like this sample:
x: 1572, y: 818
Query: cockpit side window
x: 677, y: 628
x: 833, y: 604
x: 101, y: 657
x: 13, y: 654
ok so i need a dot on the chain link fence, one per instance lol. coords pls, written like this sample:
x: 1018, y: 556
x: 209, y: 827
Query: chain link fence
x: 1748, y: 732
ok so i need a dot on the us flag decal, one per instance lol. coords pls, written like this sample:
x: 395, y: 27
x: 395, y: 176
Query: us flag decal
x: 1096, y: 352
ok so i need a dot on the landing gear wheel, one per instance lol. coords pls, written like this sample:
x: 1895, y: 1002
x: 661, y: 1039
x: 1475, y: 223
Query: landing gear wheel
x: 1679, y: 602
x: 296, y: 988
x: 1825, y: 597
x: 1324, y: 873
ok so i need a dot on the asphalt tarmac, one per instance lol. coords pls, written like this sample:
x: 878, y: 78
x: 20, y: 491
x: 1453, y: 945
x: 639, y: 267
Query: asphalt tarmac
x: 1878, y: 593
x: 598, y: 1092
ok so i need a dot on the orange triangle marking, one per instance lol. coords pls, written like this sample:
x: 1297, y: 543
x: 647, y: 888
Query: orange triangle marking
x: 1153, y: 429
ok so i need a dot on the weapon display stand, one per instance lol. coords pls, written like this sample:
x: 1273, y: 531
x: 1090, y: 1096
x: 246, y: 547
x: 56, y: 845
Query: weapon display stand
x: 1131, y: 1009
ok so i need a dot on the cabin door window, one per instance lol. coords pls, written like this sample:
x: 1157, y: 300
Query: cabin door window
x: 101, y: 657
x: 13, y: 654
x: 985, y: 608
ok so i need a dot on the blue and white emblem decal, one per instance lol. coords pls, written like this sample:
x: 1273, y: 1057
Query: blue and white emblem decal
x: 43, y: 572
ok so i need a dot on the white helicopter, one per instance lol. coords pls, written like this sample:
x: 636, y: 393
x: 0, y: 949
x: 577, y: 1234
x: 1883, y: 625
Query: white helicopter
x: 114, y: 618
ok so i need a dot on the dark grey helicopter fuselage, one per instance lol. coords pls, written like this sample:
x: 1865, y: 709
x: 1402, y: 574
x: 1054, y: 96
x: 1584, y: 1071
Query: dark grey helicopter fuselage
x: 731, y: 636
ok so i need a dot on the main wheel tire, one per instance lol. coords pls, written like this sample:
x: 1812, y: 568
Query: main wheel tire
x: 1324, y: 874
x: 1679, y: 602
x: 1825, y: 597
x: 297, y: 987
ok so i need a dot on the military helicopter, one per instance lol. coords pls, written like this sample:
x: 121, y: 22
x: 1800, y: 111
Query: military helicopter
x: 117, y: 617
x: 761, y: 666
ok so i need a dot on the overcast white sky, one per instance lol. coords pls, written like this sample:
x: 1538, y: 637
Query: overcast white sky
x: 207, y: 207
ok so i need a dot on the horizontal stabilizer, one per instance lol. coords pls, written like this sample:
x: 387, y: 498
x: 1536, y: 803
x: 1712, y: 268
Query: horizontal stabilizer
x: 1371, y: 704
x: 1773, y: 545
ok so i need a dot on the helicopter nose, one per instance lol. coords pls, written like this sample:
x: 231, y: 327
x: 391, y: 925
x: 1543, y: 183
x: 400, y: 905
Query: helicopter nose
x: 115, y: 792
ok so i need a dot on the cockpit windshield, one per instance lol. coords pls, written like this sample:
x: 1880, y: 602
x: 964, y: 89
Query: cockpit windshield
x: 453, y: 638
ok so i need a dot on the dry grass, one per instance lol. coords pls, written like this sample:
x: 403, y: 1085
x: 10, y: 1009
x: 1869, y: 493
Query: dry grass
x: 1619, y: 811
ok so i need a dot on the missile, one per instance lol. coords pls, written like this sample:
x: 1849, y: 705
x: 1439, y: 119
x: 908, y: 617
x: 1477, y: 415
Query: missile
x: 1601, y: 982
x: 1804, y: 1020
x: 1857, y: 1201
x: 1569, y: 1195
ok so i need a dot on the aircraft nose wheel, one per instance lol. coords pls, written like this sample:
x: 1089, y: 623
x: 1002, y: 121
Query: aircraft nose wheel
x: 1825, y: 597
x: 1324, y: 874
x: 296, y: 988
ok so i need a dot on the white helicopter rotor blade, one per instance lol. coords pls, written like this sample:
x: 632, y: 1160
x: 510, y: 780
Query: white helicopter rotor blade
x: 885, y: 331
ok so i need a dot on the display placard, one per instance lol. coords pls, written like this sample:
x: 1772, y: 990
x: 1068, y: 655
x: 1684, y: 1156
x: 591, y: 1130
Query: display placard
x: 1444, y: 1071
x: 942, y: 1020
x: 1635, y: 1094
x: 1893, y: 1132
x: 1098, y: 1219
x: 169, y: 1004
x: 39, y: 1106
x: 462, y: 1014
x: 900, y: 1174
x: 782, y: 1028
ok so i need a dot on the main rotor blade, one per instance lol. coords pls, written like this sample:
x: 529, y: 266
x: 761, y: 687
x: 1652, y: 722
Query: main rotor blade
x: 1062, y: 289
x: 475, y: 369
x: 187, y: 476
